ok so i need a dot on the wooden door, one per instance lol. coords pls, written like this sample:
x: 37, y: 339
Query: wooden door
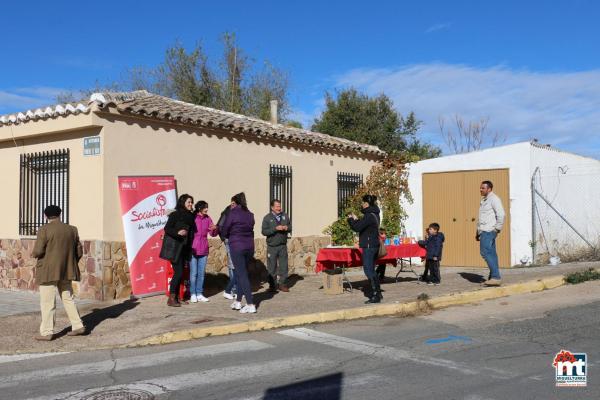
x: 473, y: 179
x: 443, y: 202
x: 452, y: 200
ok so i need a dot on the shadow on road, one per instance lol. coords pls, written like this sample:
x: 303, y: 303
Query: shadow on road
x: 98, y: 315
x: 471, y: 277
x: 328, y: 387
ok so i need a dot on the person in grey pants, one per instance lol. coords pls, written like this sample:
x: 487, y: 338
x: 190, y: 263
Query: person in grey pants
x: 276, y: 226
x: 230, y: 289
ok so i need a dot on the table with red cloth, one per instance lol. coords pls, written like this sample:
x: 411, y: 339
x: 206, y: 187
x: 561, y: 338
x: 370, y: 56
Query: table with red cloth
x: 331, y: 257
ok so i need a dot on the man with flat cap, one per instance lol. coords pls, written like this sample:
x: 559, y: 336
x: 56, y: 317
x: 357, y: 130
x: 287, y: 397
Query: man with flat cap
x: 58, y: 251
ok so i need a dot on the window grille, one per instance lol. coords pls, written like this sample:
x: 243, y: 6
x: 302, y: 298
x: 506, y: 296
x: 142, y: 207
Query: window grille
x: 44, y: 181
x: 280, y: 186
x: 347, y: 184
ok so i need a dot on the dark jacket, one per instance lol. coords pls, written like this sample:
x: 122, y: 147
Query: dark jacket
x: 434, y: 245
x: 367, y: 227
x: 182, y: 219
x: 275, y: 237
x: 221, y: 221
x: 58, y: 250
x: 239, y: 229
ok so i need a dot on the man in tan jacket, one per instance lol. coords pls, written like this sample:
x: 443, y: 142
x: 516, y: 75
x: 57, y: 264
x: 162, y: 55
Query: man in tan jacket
x: 58, y: 251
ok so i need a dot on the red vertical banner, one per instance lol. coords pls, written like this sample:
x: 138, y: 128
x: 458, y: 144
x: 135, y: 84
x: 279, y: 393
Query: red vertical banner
x: 144, y: 204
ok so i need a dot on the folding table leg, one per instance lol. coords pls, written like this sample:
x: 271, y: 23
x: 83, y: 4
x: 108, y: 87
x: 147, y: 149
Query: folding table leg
x: 345, y: 278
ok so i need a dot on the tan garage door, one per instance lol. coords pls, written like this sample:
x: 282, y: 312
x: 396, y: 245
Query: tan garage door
x: 452, y: 200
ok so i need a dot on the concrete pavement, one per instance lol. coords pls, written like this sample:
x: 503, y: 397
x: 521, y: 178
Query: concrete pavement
x: 500, y: 349
x: 132, y: 321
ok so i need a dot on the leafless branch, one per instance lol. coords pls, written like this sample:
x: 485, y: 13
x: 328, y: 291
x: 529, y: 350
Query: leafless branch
x: 469, y: 136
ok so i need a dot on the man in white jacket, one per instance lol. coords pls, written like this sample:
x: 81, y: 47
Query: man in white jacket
x: 489, y: 225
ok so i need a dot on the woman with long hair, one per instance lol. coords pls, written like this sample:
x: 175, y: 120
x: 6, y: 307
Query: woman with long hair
x: 368, y: 234
x: 181, y: 227
x: 204, y: 227
x: 239, y: 230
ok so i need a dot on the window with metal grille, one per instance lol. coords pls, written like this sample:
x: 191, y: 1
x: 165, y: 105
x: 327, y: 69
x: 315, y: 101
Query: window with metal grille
x: 347, y: 184
x: 44, y: 181
x: 280, y: 186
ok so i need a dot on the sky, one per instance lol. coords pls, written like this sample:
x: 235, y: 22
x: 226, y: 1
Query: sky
x: 531, y: 68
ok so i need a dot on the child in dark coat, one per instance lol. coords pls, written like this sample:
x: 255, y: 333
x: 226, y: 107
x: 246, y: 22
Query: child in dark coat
x: 433, y: 243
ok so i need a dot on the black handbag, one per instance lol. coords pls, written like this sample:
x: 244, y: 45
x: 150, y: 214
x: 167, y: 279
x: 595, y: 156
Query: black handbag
x: 171, y: 249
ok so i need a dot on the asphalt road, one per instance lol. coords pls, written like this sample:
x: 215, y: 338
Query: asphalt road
x: 501, y: 349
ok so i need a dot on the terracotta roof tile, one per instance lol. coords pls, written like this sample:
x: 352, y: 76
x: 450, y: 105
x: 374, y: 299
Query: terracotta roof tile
x: 149, y: 105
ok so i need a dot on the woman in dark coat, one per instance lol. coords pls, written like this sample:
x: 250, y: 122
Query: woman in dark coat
x: 180, y: 226
x: 239, y: 230
x: 368, y: 233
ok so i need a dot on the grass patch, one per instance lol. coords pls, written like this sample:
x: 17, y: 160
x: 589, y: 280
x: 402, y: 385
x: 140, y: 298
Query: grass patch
x: 582, y: 276
x: 423, y: 297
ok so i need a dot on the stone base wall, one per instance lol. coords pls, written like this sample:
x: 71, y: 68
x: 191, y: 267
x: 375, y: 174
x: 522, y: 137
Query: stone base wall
x: 105, y: 271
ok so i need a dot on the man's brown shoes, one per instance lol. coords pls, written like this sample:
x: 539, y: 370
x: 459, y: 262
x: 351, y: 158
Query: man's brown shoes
x: 44, y: 338
x: 77, y: 332
x: 284, y: 288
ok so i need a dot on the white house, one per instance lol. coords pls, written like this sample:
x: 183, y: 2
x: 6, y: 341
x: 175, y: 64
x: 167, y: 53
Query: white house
x: 552, y: 200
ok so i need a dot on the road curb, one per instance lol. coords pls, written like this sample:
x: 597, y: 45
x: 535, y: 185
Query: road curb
x: 379, y: 310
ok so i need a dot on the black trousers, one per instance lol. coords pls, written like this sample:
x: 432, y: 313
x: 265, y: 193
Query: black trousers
x: 241, y: 260
x: 177, y: 275
x: 434, y: 270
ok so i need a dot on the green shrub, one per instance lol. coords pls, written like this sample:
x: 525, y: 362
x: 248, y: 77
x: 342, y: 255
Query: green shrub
x: 341, y: 233
x: 582, y: 276
x: 388, y: 181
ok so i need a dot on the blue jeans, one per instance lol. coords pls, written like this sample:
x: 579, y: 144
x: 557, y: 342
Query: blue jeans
x: 231, y: 287
x: 197, y: 269
x: 487, y: 248
x: 369, y: 257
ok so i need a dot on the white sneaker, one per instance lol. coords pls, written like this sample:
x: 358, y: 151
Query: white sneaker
x: 193, y: 299
x: 236, y: 305
x: 248, y: 309
x: 228, y: 296
x: 202, y: 298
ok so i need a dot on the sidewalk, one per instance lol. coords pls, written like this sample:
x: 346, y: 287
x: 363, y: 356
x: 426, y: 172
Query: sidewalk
x: 123, y: 322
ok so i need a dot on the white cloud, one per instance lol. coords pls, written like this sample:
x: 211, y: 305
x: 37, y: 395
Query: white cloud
x: 26, y: 98
x: 561, y: 108
x: 438, y: 27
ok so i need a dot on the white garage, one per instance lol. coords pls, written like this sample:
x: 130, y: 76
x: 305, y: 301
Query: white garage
x: 552, y: 200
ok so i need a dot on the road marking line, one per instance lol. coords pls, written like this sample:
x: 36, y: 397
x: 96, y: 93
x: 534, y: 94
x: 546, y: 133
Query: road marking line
x: 133, y: 362
x: 211, y: 377
x: 28, y: 356
x: 386, y: 352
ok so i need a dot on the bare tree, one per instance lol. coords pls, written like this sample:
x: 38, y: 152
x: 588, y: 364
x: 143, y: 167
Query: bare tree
x: 232, y: 83
x: 469, y: 136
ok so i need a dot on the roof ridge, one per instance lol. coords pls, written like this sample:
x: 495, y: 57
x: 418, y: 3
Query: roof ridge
x: 126, y: 96
x: 142, y: 102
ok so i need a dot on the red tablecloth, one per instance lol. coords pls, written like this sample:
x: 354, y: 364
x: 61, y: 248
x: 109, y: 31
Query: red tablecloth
x: 329, y: 257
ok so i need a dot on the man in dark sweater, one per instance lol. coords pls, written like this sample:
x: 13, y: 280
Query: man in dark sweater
x: 276, y: 226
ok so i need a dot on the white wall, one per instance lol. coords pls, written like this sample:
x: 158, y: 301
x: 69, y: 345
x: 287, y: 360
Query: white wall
x: 572, y: 185
x: 515, y: 157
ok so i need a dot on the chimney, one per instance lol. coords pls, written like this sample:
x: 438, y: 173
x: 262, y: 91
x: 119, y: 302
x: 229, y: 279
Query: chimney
x: 274, y: 111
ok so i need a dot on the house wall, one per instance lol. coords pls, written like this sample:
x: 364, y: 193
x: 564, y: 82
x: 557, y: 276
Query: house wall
x: 571, y: 183
x: 514, y: 157
x: 85, y: 195
x: 213, y: 166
